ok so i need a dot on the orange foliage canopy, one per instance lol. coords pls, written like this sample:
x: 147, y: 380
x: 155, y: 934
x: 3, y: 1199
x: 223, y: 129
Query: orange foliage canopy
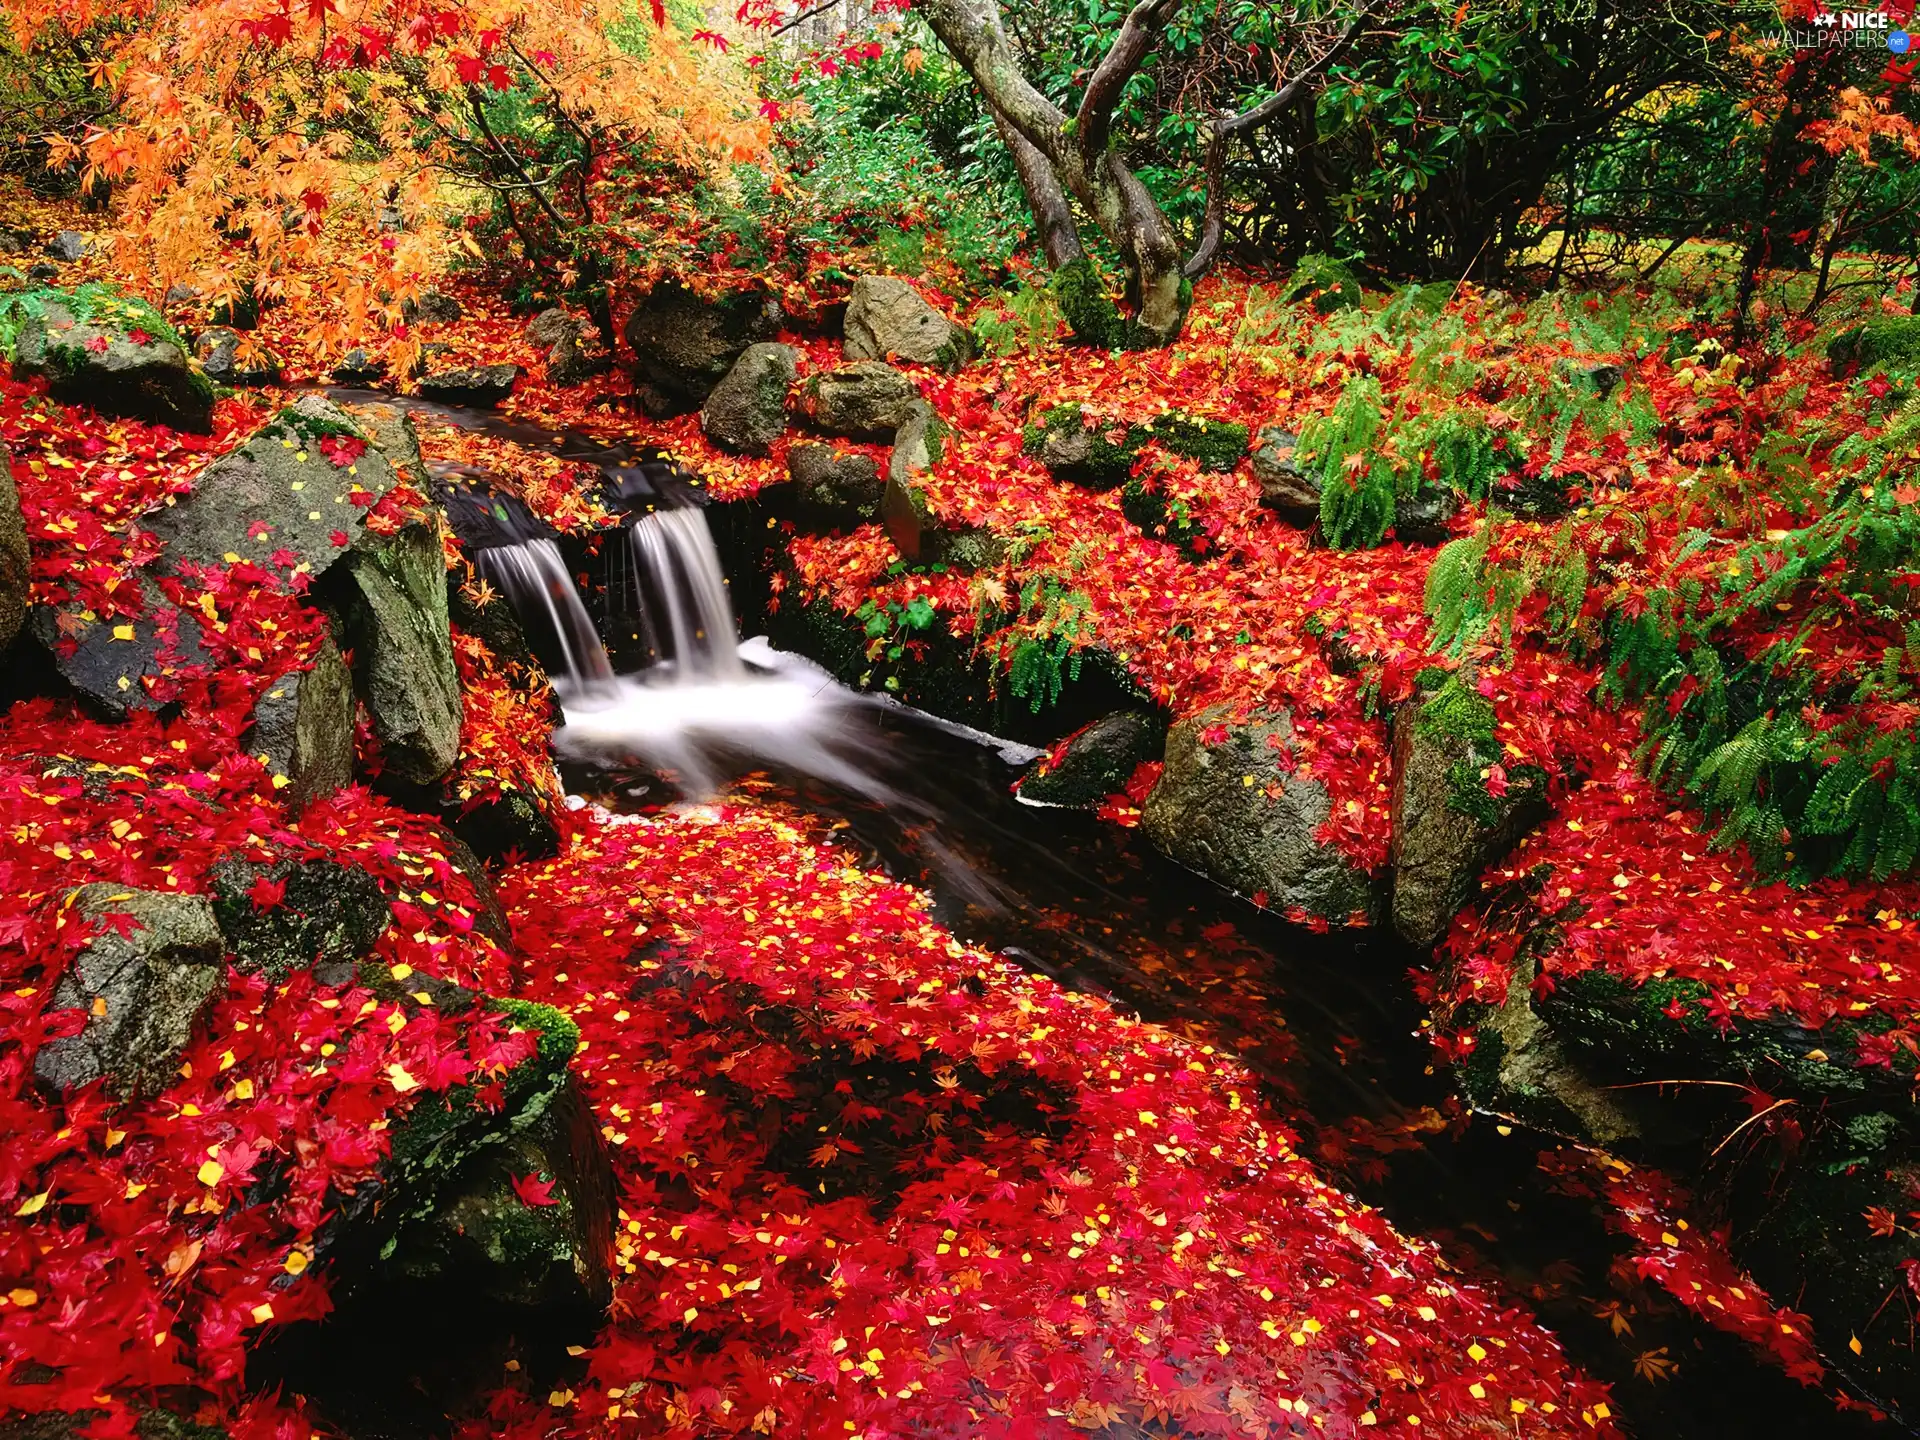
x: 256, y: 142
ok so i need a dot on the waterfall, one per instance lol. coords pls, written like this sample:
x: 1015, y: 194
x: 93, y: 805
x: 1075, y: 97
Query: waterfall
x: 536, y: 583
x: 682, y: 595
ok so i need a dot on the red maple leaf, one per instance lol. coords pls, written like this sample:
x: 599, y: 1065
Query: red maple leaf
x: 267, y: 894
x: 533, y: 1191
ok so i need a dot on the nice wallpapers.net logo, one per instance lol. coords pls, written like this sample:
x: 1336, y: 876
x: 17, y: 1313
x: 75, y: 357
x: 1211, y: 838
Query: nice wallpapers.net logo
x: 1853, y: 29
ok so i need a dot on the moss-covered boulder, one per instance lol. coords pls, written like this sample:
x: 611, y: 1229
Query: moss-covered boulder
x: 1096, y: 761
x: 747, y: 410
x: 867, y: 400
x: 834, y: 491
x: 117, y: 354
x: 303, y: 728
x: 506, y: 827
x: 683, y: 344
x: 1084, y: 447
x: 1455, y: 808
x: 1884, y: 340
x: 480, y: 387
x: 146, y: 975
x: 1229, y: 806
x: 887, y: 319
x: 298, y: 915
x: 16, y: 565
x: 1328, y: 284
x: 393, y: 613
x: 301, y: 485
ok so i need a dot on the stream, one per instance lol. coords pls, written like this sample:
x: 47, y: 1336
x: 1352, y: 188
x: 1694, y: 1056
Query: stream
x: 1328, y: 1021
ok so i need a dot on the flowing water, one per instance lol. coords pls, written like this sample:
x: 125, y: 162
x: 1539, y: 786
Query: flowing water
x: 1329, y: 1022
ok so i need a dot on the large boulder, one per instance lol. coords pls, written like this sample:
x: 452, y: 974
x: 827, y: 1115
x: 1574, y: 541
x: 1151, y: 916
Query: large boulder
x: 480, y: 386
x: 142, y: 980
x: 303, y: 728
x: 888, y: 320
x: 867, y: 400
x: 16, y: 565
x: 574, y: 359
x: 1455, y: 809
x: 1235, y: 811
x: 747, y: 410
x: 301, y: 485
x: 114, y: 353
x: 393, y: 606
x: 123, y: 663
x: 834, y: 490
x: 684, y: 345
x: 434, y: 307
x: 1285, y: 487
x: 1094, y: 762
x: 551, y: 326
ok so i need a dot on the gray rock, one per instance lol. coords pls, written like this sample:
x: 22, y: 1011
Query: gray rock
x: 142, y: 990
x: 43, y: 270
x: 13, y: 242
x: 574, y: 359
x: 217, y: 348
x: 123, y: 664
x: 832, y: 490
x: 16, y: 565
x: 357, y: 367
x: 1284, y: 487
x: 180, y: 295
x: 434, y: 307
x: 1236, y: 813
x: 888, y: 320
x: 117, y: 355
x: 1439, y: 849
x: 920, y: 535
x: 288, y: 478
x: 303, y: 729
x: 550, y: 327
x: 1084, y: 448
x: 326, y: 917
x: 395, y: 612
x: 1095, y: 762
x: 1424, y: 517
x: 867, y: 400
x: 390, y: 220
x: 483, y: 386
x: 747, y: 411
x: 68, y: 246
x: 683, y: 345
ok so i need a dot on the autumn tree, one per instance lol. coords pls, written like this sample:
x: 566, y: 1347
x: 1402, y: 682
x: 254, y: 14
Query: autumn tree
x: 308, y: 154
x: 1074, y: 160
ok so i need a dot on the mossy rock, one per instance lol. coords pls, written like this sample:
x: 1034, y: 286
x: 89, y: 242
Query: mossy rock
x: 1083, y: 448
x: 1216, y: 444
x: 326, y: 916
x: 1095, y: 762
x: 113, y: 352
x: 1147, y: 505
x: 1329, y: 284
x: 1892, y: 340
x: 1089, y: 311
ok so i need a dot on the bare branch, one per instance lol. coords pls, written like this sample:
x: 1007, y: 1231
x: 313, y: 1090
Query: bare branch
x: 1142, y: 27
x: 1059, y: 237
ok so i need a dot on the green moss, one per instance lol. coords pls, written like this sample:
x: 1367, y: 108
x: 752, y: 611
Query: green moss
x: 1149, y: 507
x: 311, y: 429
x: 1089, y: 311
x: 1329, y: 283
x: 1216, y: 444
x: 1456, y: 711
x: 1102, y: 451
x: 1887, y: 340
x: 93, y: 303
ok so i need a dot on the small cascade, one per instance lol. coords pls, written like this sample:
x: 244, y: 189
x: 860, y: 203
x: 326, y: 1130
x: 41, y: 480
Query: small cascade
x: 682, y: 598
x: 534, y: 578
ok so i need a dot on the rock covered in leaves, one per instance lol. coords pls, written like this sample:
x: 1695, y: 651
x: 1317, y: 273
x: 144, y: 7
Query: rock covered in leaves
x: 393, y: 607
x: 887, y: 319
x: 435, y: 307
x: 1095, y: 762
x: 141, y: 981
x: 747, y: 410
x: 298, y: 914
x: 834, y: 490
x: 113, y: 353
x: 867, y: 400
x: 551, y: 326
x: 1229, y: 805
x: 303, y: 727
x: 480, y: 386
x: 1286, y: 488
x: 16, y: 564
x: 683, y: 344
x: 121, y: 663
x: 1455, y: 808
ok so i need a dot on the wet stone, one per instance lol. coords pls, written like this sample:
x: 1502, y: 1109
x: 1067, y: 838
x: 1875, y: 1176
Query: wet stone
x: 303, y: 728
x: 479, y: 385
x: 296, y: 915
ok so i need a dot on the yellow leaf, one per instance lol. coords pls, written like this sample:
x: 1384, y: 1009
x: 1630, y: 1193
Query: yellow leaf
x: 33, y: 1204
x: 212, y: 1172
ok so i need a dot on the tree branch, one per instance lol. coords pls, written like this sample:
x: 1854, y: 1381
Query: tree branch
x: 1094, y: 121
x: 1226, y: 126
x: 1059, y: 236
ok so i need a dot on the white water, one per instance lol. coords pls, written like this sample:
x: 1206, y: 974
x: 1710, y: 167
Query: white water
x: 535, y: 581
